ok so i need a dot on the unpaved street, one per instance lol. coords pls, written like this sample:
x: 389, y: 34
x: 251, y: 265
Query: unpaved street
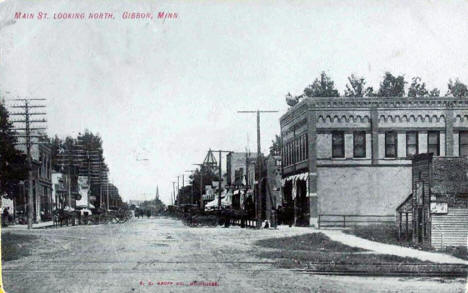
x: 135, y: 256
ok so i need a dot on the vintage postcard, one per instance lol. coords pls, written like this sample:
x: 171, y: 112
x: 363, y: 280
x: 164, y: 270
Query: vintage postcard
x: 233, y: 146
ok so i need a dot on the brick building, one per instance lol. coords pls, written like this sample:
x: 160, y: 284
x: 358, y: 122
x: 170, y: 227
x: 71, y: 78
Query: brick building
x: 353, y: 155
x: 41, y: 183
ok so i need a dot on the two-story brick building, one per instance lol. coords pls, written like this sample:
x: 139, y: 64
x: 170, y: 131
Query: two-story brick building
x: 41, y: 183
x: 348, y: 155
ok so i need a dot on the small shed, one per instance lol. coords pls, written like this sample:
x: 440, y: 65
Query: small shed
x: 438, y: 206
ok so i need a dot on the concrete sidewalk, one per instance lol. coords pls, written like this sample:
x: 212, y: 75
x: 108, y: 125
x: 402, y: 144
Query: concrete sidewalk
x: 382, y: 248
x: 25, y: 227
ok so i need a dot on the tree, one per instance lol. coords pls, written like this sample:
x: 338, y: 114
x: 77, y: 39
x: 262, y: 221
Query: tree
x: 457, y: 89
x: 392, y: 86
x: 90, y: 141
x: 203, y: 176
x: 275, y: 148
x: 417, y: 88
x: 55, y: 145
x: 357, y: 87
x: 323, y: 87
x: 13, y: 167
x: 435, y: 92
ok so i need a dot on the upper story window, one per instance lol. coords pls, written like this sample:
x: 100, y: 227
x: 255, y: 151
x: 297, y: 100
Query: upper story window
x: 411, y: 143
x: 338, y: 144
x: 359, y: 144
x: 433, y: 142
x: 463, y: 143
x: 391, y: 142
x: 303, y: 147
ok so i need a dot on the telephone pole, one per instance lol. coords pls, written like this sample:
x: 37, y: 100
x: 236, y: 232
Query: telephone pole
x: 178, y: 191
x: 173, y: 192
x: 258, y: 202
x: 28, y: 137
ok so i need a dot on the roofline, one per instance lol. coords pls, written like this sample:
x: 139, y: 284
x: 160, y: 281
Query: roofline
x: 377, y: 102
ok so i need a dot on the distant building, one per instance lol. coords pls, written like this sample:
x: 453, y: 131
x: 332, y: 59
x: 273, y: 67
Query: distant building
x: 353, y: 155
x: 84, y: 191
x: 59, y: 191
x: 41, y: 183
x: 135, y: 202
x: 237, y: 164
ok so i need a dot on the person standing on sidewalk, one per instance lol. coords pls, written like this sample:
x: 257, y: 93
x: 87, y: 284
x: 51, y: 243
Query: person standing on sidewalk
x: 5, y: 216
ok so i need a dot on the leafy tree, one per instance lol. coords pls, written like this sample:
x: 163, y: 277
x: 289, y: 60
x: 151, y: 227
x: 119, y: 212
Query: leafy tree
x: 90, y: 141
x: 457, y: 89
x: 417, y: 88
x: 323, y: 87
x: 275, y: 148
x: 55, y: 145
x: 357, y: 87
x: 392, y: 86
x: 370, y: 92
x: 13, y: 167
x: 434, y: 93
x: 203, y: 175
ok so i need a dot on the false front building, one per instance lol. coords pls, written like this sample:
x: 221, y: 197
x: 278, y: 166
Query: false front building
x: 352, y: 156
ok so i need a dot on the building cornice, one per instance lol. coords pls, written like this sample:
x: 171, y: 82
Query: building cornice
x: 379, y: 103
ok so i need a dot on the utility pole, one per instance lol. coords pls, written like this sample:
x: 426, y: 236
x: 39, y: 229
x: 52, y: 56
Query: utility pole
x: 107, y: 197
x: 26, y: 114
x: 220, y: 175
x: 173, y: 192
x: 258, y: 202
x: 178, y: 191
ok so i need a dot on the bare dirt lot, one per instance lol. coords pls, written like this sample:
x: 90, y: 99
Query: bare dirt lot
x: 163, y: 255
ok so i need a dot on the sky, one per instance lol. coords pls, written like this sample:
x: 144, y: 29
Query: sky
x: 168, y: 90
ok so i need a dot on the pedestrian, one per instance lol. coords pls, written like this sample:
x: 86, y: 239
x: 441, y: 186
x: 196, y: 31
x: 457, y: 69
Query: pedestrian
x: 5, y: 216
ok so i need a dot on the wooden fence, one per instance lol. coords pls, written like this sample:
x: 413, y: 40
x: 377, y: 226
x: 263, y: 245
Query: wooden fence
x: 343, y: 221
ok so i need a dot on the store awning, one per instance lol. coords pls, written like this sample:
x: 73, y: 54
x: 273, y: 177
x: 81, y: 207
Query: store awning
x: 301, y: 176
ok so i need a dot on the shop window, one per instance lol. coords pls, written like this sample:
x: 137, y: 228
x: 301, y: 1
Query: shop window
x: 338, y: 144
x: 391, y: 143
x: 433, y: 142
x: 411, y: 143
x: 359, y: 144
x: 463, y: 143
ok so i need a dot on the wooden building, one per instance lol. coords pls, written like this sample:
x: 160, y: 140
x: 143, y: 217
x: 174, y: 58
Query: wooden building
x: 352, y: 156
x: 437, y: 208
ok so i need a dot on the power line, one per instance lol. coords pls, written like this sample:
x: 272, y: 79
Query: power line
x: 26, y: 106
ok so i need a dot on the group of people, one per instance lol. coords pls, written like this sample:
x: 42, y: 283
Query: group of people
x: 141, y: 213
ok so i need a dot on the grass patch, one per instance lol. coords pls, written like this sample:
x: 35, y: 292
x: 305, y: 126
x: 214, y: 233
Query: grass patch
x: 312, y: 242
x: 458, y: 251
x: 389, y: 234
x: 316, y: 252
x: 308, y: 259
x: 15, y: 246
x: 379, y: 233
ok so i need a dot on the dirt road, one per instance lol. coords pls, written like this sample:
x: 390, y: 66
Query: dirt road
x: 163, y: 255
